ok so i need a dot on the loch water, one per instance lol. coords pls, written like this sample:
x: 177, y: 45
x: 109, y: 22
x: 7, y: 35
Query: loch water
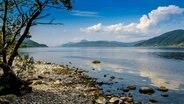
x: 124, y: 66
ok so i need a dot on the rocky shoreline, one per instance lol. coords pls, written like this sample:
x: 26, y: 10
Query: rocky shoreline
x: 58, y: 84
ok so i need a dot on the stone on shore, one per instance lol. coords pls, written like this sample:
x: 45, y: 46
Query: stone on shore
x: 163, y: 89
x: 57, y: 83
x: 131, y: 87
x: 146, y: 90
x: 129, y: 99
x: 96, y: 62
x: 101, y: 100
x: 38, y: 82
x: 125, y: 89
x: 114, y: 100
x: 6, y: 99
x: 137, y: 102
x: 153, y: 100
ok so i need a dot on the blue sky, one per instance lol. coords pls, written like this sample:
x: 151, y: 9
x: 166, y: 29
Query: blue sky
x: 113, y: 20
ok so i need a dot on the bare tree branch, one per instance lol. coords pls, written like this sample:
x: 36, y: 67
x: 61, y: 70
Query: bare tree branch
x: 4, y: 30
x: 46, y: 15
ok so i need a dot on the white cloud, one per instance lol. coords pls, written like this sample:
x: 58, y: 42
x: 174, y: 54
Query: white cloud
x: 96, y: 28
x: 157, y: 21
x: 161, y: 14
x: 84, y: 13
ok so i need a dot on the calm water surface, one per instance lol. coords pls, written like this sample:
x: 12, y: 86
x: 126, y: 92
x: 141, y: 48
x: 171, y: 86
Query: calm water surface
x: 131, y: 66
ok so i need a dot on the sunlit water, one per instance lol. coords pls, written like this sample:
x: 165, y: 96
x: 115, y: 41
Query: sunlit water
x: 131, y: 66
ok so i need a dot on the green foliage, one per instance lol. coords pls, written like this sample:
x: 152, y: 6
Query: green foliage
x: 25, y: 66
x: 172, y: 38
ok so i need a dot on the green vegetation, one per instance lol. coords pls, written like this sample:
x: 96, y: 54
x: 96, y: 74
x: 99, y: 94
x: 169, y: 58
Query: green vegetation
x: 85, y: 43
x: 173, y: 39
x: 31, y: 43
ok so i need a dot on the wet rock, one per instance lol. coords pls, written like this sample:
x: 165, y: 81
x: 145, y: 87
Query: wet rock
x: 108, y: 91
x: 101, y: 100
x: 125, y: 89
x: 131, y: 87
x: 130, y: 95
x: 146, y: 90
x: 114, y: 100
x: 103, y: 83
x: 100, y: 83
x: 153, y: 100
x: 112, y: 77
x: 137, y: 102
x: 129, y: 99
x: 164, y: 95
x: 96, y: 62
x: 6, y: 99
x: 163, y: 89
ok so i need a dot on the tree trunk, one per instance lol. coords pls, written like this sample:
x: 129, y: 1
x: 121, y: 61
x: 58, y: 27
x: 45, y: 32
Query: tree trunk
x: 10, y: 82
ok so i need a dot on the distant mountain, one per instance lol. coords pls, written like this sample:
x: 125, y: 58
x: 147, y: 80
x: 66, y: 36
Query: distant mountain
x: 31, y: 43
x: 85, y: 43
x: 172, y: 38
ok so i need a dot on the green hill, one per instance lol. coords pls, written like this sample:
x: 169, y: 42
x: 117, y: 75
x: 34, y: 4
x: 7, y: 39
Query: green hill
x: 31, y: 43
x: 85, y: 43
x: 26, y: 42
x: 173, y: 38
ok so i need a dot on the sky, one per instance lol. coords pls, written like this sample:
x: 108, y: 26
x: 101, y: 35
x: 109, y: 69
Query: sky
x: 111, y: 20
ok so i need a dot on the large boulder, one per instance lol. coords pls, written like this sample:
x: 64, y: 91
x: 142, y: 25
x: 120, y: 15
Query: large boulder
x: 146, y: 90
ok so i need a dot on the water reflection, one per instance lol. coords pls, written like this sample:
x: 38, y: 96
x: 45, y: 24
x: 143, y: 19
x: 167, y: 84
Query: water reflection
x: 157, y: 79
x: 170, y: 55
x: 162, y: 72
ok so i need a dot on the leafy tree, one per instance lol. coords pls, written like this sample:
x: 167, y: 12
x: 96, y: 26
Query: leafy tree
x: 16, y: 19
